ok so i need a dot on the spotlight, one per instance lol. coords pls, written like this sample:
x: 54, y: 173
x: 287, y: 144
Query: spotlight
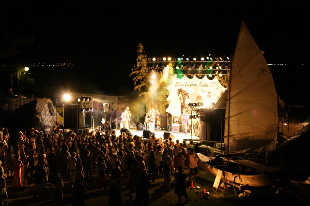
x: 154, y: 59
x: 67, y: 97
x: 169, y: 58
x: 164, y: 58
x: 202, y: 59
x: 194, y: 59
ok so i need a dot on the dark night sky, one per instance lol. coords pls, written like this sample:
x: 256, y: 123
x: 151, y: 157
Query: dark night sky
x: 102, y: 38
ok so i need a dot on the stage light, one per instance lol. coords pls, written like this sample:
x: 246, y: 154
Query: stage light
x: 26, y: 69
x: 220, y: 74
x: 67, y: 97
x: 187, y: 59
x: 79, y: 100
x: 154, y: 59
x: 207, y: 103
x: 194, y: 59
x: 169, y: 58
x: 202, y: 59
x: 164, y: 58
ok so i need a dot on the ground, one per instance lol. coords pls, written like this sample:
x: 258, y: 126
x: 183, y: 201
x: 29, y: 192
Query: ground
x: 158, y: 195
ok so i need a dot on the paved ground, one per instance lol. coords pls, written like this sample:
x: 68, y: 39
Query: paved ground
x: 158, y: 195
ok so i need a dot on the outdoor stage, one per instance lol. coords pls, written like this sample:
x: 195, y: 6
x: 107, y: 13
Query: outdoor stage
x: 160, y: 134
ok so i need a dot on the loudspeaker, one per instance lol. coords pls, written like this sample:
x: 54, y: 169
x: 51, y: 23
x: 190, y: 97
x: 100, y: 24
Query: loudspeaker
x: 166, y: 135
x: 147, y: 134
x: 70, y: 116
x: 124, y: 130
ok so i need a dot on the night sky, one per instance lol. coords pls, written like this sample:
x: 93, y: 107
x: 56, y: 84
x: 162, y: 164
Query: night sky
x: 102, y: 38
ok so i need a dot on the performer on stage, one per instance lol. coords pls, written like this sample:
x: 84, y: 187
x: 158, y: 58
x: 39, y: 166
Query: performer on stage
x: 185, y: 118
x: 126, y: 115
x: 147, y: 120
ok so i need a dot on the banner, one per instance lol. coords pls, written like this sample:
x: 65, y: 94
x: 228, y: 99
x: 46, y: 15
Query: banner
x: 185, y: 90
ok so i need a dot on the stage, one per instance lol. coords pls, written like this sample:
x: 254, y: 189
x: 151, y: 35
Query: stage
x: 160, y: 134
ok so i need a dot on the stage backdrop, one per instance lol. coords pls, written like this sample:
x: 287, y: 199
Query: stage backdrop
x: 194, y: 90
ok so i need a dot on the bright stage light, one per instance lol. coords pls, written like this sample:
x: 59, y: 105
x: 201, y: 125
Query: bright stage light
x: 169, y: 58
x: 164, y: 58
x: 202, y: 59
x: 194, y: 59
x: 207, y: 103
x: 67, y: 97
x: 26, y: 69
x: 154, y: 59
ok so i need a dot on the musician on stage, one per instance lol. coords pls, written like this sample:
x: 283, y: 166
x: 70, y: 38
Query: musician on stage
x: 185, y: 118
x: 147, y: 121
x: 126, y: 116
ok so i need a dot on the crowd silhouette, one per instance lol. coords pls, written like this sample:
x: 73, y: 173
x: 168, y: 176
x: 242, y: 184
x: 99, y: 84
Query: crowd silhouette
x: 39, y: 160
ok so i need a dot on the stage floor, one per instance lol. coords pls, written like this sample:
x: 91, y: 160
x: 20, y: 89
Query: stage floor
x: 160, y: 134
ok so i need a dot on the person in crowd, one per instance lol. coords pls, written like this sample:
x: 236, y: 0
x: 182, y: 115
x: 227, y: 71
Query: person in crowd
x: 4, y: 199
x: 79, y: 169
x: 26, y: 174
x: 102, y: 172
x: 17, y: 178
x: 180, y: 187
x: 72, y: 168
x: 158, y: 155
x: 152, y: 166
x: 57, y: 184
x: 179, y: 160
x: 193, y: 163
x: 143, y: 184
x: 39, y: 175
x: 167, y: 172
x: 87, y: 165
x: 9, y: 161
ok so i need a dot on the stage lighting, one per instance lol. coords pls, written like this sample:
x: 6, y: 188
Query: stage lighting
x: 67, y: 97
x: 154, y: 59
x: 164, y: 58
x: 202, y: 59
x: 169, y: 58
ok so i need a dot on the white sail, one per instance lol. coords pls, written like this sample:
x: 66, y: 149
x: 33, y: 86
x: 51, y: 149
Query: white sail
x: 251, y: 112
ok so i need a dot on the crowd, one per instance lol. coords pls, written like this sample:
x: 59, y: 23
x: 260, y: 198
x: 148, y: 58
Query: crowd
x: 39, y: 158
